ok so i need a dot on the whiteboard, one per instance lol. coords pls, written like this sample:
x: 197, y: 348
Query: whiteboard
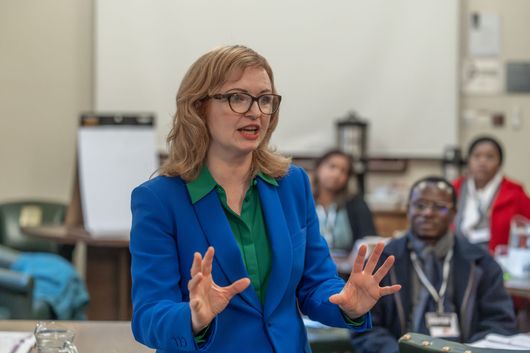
x: 393, y: 62
x: 113, y: 160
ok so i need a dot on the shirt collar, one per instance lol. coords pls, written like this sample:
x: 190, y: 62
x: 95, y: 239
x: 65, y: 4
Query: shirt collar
x: 440, y: 248
x: 204, y: 183
x: 489, y: 190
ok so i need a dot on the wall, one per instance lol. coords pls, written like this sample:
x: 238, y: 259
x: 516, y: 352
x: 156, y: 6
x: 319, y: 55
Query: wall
x: 45, y: 81
x: 515, y: 45
x: 324, y: 64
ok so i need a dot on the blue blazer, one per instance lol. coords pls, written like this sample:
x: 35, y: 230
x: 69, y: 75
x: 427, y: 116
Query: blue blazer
x: 166, y: 231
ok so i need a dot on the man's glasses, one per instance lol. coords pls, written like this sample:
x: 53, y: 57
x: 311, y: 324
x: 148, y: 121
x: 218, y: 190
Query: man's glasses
x: 242, y: 102
x: 438, y: 207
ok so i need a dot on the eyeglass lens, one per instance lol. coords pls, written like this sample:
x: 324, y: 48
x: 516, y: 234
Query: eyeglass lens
x: 421, y: 206
x: 242, y: 102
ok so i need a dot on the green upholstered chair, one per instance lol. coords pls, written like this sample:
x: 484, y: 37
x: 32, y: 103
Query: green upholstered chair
x: 14, y: 215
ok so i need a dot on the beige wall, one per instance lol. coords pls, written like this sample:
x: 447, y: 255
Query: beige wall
x: 46, y: 80
x: 515, y: 45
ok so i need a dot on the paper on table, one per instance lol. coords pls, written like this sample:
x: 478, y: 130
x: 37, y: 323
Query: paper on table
x: 16, y: 342
x: 308, y: 323
x: 516, y: 342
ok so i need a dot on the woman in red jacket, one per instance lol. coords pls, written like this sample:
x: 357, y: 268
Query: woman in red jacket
x: 487, y: 200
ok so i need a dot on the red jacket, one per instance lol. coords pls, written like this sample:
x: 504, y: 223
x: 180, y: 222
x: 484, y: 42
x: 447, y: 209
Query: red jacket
x: 510, y: 200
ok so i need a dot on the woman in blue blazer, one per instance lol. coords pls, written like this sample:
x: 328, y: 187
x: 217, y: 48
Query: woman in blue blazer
x: 223, y: 188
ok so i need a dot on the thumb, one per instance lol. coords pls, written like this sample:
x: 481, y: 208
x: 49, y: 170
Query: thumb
x: 336, y: 299
x: 238, y: 286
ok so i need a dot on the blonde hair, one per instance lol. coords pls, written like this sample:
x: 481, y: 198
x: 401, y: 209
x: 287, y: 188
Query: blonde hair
x: 189, y: 138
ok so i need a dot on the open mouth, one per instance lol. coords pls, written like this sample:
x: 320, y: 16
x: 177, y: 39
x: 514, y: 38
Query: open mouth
x: 252, y: 130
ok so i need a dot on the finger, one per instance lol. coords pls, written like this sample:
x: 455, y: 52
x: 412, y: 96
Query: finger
x: 359, y: 260
x: 374, y: 257
x: 206, y: 267
x: 194, y: 282
x: 383, y: 270
x: 389, y: 289
x: 196, y: 265
x: 337, y: 299
x: 237, y: 287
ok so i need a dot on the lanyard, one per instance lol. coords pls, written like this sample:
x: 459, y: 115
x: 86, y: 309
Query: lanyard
x: 437, y: 296
x: 328, y: 221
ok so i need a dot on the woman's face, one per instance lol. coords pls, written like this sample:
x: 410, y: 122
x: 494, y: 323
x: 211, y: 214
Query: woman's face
x: 332, y: 174
x: 484, y: 162
x: 233, y: 134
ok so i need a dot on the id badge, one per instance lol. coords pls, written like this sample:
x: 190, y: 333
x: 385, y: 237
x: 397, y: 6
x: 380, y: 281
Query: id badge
x: 442, y: 324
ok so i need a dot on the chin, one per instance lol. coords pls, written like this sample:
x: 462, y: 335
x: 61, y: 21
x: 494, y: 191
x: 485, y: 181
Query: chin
x: 429, y: 237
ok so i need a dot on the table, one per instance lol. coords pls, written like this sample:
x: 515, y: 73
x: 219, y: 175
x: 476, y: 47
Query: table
x: 91, y: 336
x: 520, y: 287
x: 116, y: 336
x: 107, y: 269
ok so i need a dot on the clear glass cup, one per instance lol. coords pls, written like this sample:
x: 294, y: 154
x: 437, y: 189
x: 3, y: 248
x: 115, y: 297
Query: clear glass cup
x: 502, y: 257
x: 51, y: 337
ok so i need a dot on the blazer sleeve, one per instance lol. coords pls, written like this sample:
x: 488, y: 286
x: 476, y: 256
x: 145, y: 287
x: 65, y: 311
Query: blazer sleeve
x: 494, y: 305
x: 524, y: 203
x: 380, y: 338
x: 319, y: 279
x: 161, y: 316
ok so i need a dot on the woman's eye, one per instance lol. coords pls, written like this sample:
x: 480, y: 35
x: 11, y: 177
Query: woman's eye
x: 265, y: 100
x: 238, y: 98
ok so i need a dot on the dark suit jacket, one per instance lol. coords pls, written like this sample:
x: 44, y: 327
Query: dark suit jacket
x: 360, y: 217
x: 483, y: 306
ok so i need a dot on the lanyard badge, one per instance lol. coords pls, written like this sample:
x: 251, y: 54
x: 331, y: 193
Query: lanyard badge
x: 439, y: 323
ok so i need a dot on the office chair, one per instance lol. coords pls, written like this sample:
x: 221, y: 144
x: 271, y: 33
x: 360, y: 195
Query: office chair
x: 17, y: 214
x: 329, y: 340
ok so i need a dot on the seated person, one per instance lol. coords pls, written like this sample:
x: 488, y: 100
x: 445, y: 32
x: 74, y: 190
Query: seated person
x: 344, y: 217
x: 445, y: 279
x: 487, y: 199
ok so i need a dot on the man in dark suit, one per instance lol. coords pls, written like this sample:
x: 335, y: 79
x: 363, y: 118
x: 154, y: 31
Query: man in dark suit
x: 450, y: 288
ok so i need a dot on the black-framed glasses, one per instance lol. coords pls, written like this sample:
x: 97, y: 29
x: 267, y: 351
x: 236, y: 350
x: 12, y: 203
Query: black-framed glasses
x: 241, y: 102
x: 438, y: 207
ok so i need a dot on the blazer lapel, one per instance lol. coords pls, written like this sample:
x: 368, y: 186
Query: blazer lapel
x: 217, y: 230
x: 401, y: 273
x: 280, y: 241
x: 404, y: 296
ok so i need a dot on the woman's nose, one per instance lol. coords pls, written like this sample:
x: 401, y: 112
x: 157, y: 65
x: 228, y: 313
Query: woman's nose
x: 254, y: 112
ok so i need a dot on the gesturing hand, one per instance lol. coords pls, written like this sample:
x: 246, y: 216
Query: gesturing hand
x: 362, y: 290
x: 207, y: 299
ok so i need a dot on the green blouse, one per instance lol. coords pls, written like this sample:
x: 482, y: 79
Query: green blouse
x: 249, y: 227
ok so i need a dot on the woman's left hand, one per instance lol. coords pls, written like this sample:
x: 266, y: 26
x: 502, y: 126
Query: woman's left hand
x: 362, y: 290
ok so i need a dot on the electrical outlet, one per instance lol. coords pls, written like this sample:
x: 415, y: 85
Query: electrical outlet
x: 516, y: 118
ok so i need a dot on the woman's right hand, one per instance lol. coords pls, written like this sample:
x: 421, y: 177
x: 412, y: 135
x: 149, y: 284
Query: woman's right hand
x: 207, y: 299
